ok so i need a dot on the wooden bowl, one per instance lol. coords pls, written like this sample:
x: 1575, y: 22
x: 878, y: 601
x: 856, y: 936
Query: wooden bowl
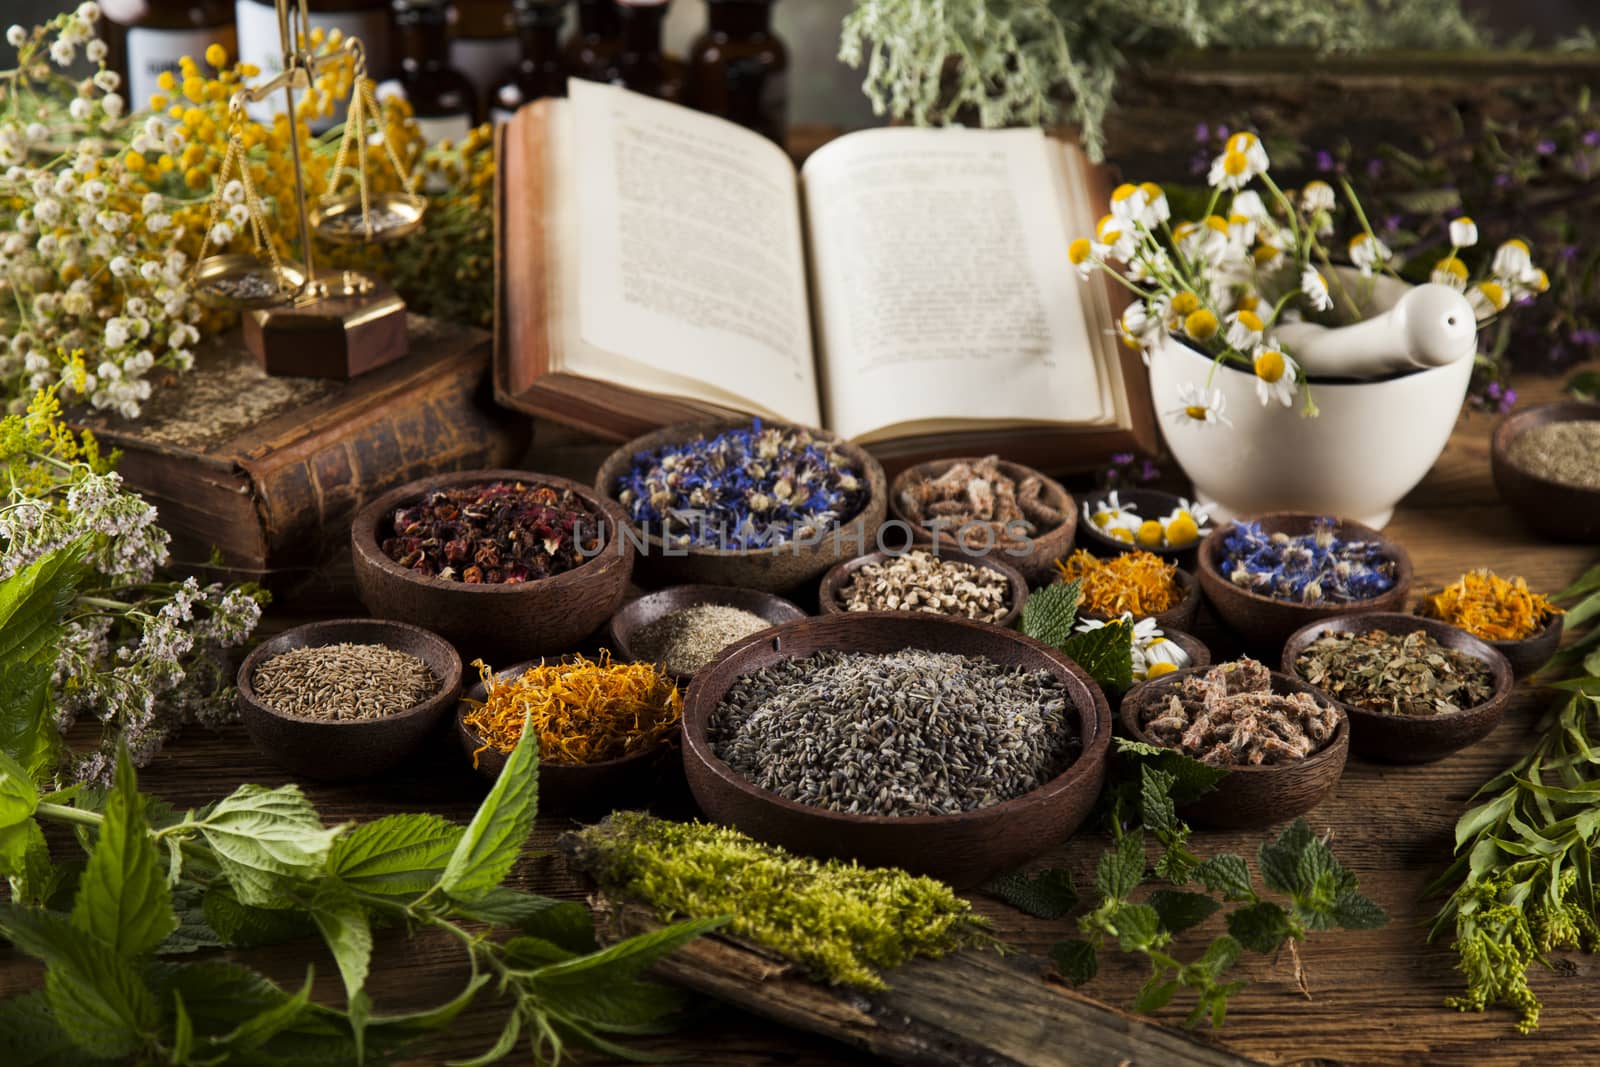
x: 1038, y: 564
x: 1560, y: 512
x: 1252, y: 797
x: 588, y: 789
x: 1265, y: 623
x: 1181, y: 615
x: 1412, y: 738
x: 1148, y: 504
x: 830, y: 597
x: 963, y: 849
x: 346, y: 749
x: 494, y: 621
x: 647, y: 609
x: 1526, y: 655
x: 772, y: 570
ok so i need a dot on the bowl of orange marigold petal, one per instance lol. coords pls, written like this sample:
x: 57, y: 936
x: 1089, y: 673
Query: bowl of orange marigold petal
x: 1137, y: 582
x: 606, y: 729
x: 1522, y: 625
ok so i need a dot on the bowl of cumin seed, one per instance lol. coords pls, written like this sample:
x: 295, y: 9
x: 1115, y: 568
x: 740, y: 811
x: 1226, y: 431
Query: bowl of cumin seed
x: 347, y: 698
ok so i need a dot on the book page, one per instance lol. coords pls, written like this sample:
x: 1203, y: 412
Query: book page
x: 691, y: 260
x: 943, y: 290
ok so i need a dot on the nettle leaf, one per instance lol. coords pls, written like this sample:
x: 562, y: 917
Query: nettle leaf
x: 96, y: 996
x: 28, y: 733
x: 123, y: 897
x: 29, y: 1036
x: 343, y: 924
x: 1121, y: 869
x: 564, y: 922
x: 1352, y: 911
x: 1260, y: 927
x: 32, y: 603
x: 1280, y: 859
x: 395, y: 856
x: 625, y: 1007
x: 1227, y: 874
x: 266, y: 839
x: 1075, y: 959
x: 245, y: 926
x: 493, y: 840
x: 192, y: 933
x: 625, y: 960
x: 1218, y: 957
x: 1156, y: 994
x: 535, y: 952
x: 1179, y: 910
x: 1191, y: 779
x: 1156, y: 809
x: 18, y: 797
x: 1105, y: 652
x: 1138, y: 927
x: 1049, y: 614
x: 1049, y: 894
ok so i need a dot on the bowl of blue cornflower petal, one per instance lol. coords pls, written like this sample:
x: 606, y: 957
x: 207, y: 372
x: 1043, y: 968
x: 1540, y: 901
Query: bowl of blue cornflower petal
x: 744, y: 502
x: 1270, y: 575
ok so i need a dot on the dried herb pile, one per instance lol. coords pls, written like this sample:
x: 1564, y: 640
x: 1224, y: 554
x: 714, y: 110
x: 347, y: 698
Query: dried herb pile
x: 344, y: 681
x: 1229, y: 716
x: 1397, y: 674
x: 978, y: 504
x: 496, y: 534
x: 1138, y: 582
x: 1315, y: 568
x: 1491, y: 607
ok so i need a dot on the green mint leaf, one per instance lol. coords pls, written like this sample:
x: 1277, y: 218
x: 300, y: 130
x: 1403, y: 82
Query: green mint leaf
x: 1105, y: 652
x: 1179, y: 910
x: 1227, y: 874
x: 1075, y: 959
x: 123, y: 897
x: 1218, y: 957
x: 1260, y: 927
x: 615, y: 1006
x: 1191, y: 779
x: 493, y: 840
x: 1049, y: 614
x: 1156, y: 994
x: 343, y: 924
x: 563, y: 922
x: 96, y: 996
x: 535, y: 952
x: 1176, y: 865
x: 503, y: 1046
x: 266, y: 840
x: 32, y: 603
x: 1156, y: 809
x: 625, y: 960
x: 29, y: 1036
x: 1138, y: 928
x: 1352, y: 911
x: 1121, y: 868
x: 1280, y: 859
x: 18, y: 797
x: 398, y: 855
x: 1049, y: 894
x: 245, y: 926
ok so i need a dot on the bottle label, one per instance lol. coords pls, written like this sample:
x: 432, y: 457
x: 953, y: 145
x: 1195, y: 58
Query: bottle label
x: 151, y: 52
x: 259, y: 44
x: 484, y: 60
x: 452, y: 128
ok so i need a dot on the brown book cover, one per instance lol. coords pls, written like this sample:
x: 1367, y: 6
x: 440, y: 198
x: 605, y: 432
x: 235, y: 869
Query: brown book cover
x: 269, y: 470
x: 525, y: 378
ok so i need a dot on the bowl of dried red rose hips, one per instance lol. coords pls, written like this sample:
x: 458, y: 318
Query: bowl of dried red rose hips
x: 503, y: 563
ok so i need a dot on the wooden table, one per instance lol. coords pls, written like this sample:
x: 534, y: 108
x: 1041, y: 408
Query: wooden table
x: 1377, y: 997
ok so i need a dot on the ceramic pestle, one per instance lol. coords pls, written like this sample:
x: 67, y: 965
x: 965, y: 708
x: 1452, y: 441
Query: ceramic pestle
x: 1429, y: 326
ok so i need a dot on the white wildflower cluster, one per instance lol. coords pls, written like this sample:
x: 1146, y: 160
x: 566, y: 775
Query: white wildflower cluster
x: 1255, y: 259
x: 88, y: 257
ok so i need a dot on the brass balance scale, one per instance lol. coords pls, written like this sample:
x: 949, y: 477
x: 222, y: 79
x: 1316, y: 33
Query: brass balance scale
x: 299, y: 320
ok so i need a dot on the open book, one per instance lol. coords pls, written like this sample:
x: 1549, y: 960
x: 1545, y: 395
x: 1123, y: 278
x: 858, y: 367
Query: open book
x: 908, y: 288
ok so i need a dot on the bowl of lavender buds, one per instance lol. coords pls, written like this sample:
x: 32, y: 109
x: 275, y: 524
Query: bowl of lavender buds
x: 1268, y: 576
x: 347, y: 698
x: 506, y: 564
x: 741, y: 502
x: 939, y: 745
x: 1283, y: 743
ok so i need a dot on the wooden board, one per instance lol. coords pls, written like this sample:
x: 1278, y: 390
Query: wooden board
x: 1377, y: 996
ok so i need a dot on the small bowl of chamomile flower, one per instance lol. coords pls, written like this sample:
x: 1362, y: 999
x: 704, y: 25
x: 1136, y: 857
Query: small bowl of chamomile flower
x: 1122, y: 520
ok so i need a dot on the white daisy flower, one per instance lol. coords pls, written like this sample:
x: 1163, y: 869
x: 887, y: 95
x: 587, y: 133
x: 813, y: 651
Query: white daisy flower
x: 1276, y: 374
x: 1463, y: 232
x: 1511, y: 261
x: 1368, y: 253
x: 1129, y: 202
x: 1242, y: 160
x: 1487, y: 299
x: 1199, y: 408
x: 1156, y: 210
x: 1244, y: 330
x: 1317, y: 196
x: 1450, y: 271
x: 1315, y: 286
x: 1248, y: 202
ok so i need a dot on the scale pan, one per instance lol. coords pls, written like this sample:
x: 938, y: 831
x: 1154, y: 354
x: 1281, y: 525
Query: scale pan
x: 390, y: 216
x: 240, y: 280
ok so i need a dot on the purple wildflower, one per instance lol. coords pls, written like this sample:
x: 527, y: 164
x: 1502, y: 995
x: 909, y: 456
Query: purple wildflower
x: 1324, y: 161
x: 1545, y: 147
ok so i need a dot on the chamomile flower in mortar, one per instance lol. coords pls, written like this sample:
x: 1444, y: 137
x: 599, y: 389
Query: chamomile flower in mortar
x: 1141, y: 328
x: 1244, y: 330
x: 1511, y: 261
x: 1243, y: 159
x: 1200, y: 407
x: 1463, y: 232
x: 1367, y: 253
x: 1315, y: 288
x: 1276, y: 374
x: 1487, y: 299
x: 1201, y: 324
x: 1450, y: 271
x: 1317, y: 196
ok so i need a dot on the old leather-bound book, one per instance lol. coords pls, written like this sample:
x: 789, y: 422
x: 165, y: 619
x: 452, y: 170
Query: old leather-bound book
x: 268, y: 471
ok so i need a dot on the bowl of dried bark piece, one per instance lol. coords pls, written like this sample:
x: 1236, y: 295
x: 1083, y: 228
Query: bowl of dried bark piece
x: 1282, y: 742
x: 936, y: 581
x: 988, y: 506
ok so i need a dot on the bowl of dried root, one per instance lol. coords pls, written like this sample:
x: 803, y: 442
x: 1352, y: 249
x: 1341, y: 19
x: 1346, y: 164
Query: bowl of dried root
x: 935, y: 581
x: 1282, y: 742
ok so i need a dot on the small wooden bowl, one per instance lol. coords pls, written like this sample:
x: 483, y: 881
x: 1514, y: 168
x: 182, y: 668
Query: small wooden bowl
x: 771, y: 570
x: 1412, y: 738
x: 1252, y: 797
x: 589, y: 789
x: 1525, y: 656
x: 1560, y: 512
x: 1181, y: 615
x: 1147, y: 504
x: 830, y: 597
x: 494, y: 621
x: 652, y: 606
x: 1266, y: 623
x: 963, y: 849
x: 1038, y: 565
x: 347, y: 749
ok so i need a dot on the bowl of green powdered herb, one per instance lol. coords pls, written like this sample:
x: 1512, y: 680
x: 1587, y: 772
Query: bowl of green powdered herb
x: 1415, y: 689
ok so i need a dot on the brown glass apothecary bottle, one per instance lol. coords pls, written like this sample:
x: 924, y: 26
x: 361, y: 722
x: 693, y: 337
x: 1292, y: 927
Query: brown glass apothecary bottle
x: 592, y: 50
x: 739, y: 69
x: 260, y: 45
x: 541, y: 70
x: 641, y: 64
x: 483, y: 43
x: 145, y: 38
x: 441, y: 97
